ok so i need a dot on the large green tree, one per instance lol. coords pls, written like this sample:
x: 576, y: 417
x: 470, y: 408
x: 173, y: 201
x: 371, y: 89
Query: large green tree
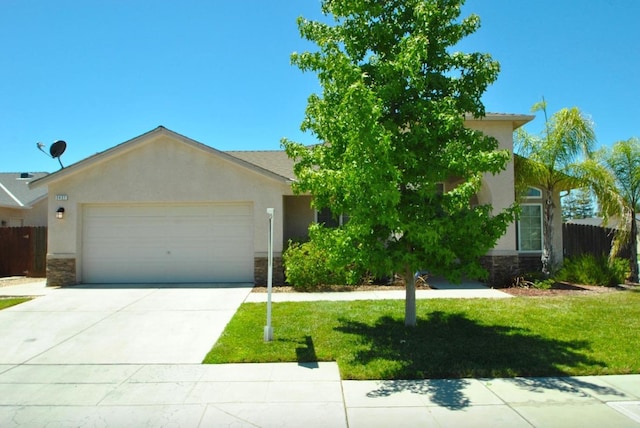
x: 550, y: 161
x: 391, y: 119
x: 614, y: 174
x: 577, y: 204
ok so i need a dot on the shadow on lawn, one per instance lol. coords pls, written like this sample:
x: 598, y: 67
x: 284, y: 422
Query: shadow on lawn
x: 445, y: 346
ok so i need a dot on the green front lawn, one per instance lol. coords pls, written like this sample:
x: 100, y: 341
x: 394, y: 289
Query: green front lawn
x: 543, y: 336
x: 12, y: 301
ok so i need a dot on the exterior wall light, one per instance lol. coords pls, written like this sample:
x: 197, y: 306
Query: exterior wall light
x: 60, y: 213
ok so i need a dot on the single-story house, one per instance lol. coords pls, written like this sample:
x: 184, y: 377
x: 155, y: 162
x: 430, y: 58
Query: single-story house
x: 21, y: 205
x: 162, y: 207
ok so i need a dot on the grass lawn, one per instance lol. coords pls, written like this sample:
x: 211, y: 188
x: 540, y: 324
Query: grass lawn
x: 12, y: 301
x: 455, y: 338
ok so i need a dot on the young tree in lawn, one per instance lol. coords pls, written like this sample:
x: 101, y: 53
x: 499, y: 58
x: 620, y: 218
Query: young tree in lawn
x: 550, y: 162
x: 614, y: 174
x: 391, y: 119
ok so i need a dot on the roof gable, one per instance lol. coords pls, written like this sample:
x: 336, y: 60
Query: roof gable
x: 132, y: 144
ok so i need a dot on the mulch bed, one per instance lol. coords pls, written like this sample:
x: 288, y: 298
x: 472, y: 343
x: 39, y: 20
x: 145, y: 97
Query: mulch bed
x: 558, y: 289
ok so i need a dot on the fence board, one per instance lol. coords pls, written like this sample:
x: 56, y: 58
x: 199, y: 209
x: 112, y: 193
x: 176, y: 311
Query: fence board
x: 23, y: 251
x: 585, y: 239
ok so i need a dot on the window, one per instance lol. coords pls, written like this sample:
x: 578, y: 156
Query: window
x: 530, y: 228
x: 533, y: 193
x: 329, y: 219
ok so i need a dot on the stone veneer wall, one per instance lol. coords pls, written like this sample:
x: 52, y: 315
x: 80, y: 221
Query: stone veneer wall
x: 260, y: 269
x: 502, y: 269
x: 61, y: 272
x: 530, y: 263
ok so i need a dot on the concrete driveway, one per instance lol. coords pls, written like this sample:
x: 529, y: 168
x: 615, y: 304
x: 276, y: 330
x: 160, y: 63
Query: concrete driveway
x: 119, y: 324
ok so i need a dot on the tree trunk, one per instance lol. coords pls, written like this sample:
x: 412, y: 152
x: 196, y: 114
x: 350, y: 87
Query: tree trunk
x: 548, y: 257
x: 410, y: 298
x: 633, y: 250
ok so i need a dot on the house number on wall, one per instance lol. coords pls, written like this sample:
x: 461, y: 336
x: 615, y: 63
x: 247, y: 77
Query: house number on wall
x: 61, y: 197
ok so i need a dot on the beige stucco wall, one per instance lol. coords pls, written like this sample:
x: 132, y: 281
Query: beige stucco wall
x: 35, y: 215
x: 161, y: 169
x: 498, y: 189
x: 298, y: 215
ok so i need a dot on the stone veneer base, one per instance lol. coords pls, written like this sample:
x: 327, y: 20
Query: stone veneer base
x: 503, y: 269
x: 61, y: 272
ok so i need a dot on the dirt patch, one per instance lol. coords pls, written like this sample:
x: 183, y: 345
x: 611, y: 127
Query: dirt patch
x: 560, y: 289
x: 18, y: 280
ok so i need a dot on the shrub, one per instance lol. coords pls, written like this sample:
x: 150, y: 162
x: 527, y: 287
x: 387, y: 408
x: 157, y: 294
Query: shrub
x: 308, y: 265
x: 532, y: 280
x: 592, y: 270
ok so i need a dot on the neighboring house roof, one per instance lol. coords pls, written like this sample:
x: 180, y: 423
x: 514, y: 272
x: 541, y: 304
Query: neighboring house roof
x: 597, y: 221
x: 591, y: 221
x: 15, y: 191
x: 256, y: 165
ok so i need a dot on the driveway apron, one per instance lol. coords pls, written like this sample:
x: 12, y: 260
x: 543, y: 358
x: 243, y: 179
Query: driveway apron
x: 119, y: 324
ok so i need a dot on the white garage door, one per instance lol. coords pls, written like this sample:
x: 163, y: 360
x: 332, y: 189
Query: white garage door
x: 167, y: 243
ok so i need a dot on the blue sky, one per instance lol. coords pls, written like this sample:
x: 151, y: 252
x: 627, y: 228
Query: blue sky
x: 97, y: 73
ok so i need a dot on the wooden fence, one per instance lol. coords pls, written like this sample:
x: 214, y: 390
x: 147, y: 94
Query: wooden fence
x: 23, y: 251
x: 585, y: 239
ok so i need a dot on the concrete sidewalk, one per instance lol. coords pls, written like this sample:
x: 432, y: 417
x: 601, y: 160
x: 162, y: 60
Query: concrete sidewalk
x: 294, y: 395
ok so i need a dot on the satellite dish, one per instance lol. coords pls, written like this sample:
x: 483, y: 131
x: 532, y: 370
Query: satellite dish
x: 57, y: 149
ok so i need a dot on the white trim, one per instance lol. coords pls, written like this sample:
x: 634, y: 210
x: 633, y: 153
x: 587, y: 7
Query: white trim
x: 541, y: 231
x: 526, y: 196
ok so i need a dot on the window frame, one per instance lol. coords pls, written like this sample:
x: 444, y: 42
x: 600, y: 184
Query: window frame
x: 541, y: 230
x: 342, y: 218
x: 526, y: 196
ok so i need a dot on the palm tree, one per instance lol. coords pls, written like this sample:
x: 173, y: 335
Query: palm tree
x: 549, y: 162
x: 614, y: 175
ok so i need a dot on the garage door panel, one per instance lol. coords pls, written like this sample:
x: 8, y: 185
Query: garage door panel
x: 168, y: 243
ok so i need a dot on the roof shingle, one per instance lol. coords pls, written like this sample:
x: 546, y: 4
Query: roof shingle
x: 15, y: 191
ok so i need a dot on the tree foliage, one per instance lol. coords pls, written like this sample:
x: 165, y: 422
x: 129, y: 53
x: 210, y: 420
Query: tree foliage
x: 614, y: 175
x: 391, y: 119
x: 577, y: 204
x: 550, y: 161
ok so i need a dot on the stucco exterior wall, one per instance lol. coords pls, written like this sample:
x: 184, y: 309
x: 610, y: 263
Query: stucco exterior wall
x: 298, y: 215
x: 161, y: 169
x: 32, y: 216
x: 498, y: 189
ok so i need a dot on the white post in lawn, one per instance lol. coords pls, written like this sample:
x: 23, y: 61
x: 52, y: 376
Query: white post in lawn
x: 268, y: 330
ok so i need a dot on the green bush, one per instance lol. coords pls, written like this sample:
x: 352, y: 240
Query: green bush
x: 532, y: 280
x: 590, y: 270
x: 308, y: 265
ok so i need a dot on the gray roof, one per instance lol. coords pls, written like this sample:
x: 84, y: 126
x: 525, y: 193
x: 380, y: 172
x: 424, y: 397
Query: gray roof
x: 591, y: 221
x: 15, y: 191
x: 275, y: 161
